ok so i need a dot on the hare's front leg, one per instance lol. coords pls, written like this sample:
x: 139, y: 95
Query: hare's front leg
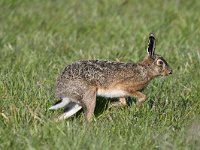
x: 89, y: 102
x: 140, y: 97
x: 121, y: 103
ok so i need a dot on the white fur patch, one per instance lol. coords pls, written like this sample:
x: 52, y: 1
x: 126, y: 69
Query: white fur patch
x: 111, y: 93
x: 63, y: 103
x: 69, y: 113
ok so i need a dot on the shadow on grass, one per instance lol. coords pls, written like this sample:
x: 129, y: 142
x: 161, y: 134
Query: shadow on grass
x: 102, y: 104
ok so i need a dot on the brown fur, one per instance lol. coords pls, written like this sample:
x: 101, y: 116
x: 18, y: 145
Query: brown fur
x: 82, y: 80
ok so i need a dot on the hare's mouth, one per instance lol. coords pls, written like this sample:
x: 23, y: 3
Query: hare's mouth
x: 166, y: 74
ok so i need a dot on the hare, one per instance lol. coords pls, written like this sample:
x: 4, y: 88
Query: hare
x: 80, y: 82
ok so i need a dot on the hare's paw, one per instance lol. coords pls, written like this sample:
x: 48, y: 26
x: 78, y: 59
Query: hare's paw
x: 62, y: 103
x: 140, y: 97
x: 121, y: 103
x: 71, y: 110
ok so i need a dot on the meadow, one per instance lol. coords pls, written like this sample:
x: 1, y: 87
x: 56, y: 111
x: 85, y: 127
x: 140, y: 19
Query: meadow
x: 39, y: 38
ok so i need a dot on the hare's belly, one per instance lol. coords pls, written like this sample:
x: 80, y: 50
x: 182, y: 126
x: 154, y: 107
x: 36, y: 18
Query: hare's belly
x: 111, y: 93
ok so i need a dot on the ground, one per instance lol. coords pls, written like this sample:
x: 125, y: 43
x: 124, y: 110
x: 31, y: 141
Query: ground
x: 39, y: 38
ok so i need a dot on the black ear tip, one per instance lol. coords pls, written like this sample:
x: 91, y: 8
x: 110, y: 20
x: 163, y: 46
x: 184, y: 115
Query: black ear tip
x: 151, y: 35
x: 151, y: 44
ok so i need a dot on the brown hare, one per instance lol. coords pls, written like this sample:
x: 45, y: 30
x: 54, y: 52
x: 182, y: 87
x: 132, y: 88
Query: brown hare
x: 80, y: 82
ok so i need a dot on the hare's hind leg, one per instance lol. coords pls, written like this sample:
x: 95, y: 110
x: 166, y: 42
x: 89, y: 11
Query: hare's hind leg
x: 62, y: 103
x: 121, y: 103
x: 70, y: 110
x: 89, y: 102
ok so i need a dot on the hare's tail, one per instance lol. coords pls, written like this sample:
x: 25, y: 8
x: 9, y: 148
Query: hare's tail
x: 61, y: 103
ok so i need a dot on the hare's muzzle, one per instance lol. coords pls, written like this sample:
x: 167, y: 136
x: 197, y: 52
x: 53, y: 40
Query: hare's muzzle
x: 170, y: 71
x: 167, y: 71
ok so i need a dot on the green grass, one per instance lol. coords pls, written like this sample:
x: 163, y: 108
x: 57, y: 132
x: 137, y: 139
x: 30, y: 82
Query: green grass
x: 39, y: 38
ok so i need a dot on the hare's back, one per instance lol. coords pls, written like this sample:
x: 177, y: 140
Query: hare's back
x: 95, y: 70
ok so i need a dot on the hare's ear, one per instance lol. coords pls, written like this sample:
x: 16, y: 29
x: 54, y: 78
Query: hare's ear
x: 151, y: 45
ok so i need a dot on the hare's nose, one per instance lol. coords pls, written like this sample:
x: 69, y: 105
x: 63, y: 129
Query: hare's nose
x: 170, y: 71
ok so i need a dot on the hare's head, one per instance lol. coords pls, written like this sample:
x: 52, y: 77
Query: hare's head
x: 157, y: 64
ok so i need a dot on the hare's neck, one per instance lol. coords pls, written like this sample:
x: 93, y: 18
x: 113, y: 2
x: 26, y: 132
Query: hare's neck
x: 147, y: 64
x: 148, y: 70
x: 151, y: 73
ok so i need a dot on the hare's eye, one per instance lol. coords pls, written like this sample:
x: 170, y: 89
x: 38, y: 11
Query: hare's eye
x: 159, y: 62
